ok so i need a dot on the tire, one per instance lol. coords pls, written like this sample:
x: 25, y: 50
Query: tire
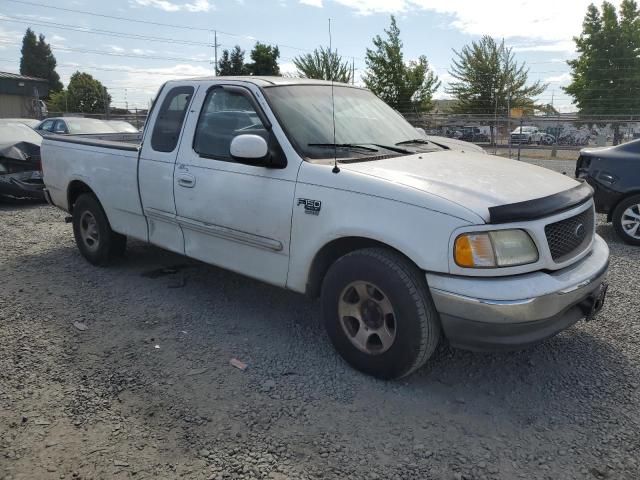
x: 94, y: 237
x: 626, y: 220
x: 409, y: 334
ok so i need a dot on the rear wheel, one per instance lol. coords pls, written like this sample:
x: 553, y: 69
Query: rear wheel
x: 626, y: 220
x: 378, y: 313
x: 94, y: 237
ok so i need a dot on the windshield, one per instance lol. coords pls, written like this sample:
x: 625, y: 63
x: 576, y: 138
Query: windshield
x: 122, y: 126
x: 88, y: 125
x: 305, y: 112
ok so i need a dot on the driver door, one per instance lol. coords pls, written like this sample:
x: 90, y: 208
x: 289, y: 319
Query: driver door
x: 233, y: 215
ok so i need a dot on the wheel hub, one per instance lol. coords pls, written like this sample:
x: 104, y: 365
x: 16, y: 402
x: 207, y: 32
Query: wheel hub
x: 367, y: 317
x: 372, y: 315
x: 89, y: 231
x: 631, y: 221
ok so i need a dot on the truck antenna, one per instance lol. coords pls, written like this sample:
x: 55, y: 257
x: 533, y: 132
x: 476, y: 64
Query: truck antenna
x: 333, y: 113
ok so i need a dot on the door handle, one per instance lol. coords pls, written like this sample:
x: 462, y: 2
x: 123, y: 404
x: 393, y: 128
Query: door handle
x: 186, y: 180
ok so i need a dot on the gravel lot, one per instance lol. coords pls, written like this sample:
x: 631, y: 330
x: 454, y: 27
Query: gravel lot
x: 147, y: 391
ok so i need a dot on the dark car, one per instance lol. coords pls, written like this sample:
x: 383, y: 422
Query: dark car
x: 20, y: 167
x: 614, y: 173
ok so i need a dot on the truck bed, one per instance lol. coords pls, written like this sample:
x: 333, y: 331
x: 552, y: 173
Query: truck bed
x: 107, y: 165
x: 119, y: 141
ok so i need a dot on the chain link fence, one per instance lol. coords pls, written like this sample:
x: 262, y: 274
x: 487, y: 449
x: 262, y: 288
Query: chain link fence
x: 543, y: 136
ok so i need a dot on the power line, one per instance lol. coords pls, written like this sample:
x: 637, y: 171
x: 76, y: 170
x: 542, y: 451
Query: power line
x: 116, y: 54
x: 159, y: 24
x: 99, y: 31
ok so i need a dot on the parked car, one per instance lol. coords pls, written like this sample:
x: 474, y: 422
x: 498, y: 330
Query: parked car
x: 474, y: 134
x: 20, y: 168
x: 402, y: 239
x: 122, y: 126
x: 74, y: 126
x: 29, y: 122
x: 614, y: 173
x: 526, y: 134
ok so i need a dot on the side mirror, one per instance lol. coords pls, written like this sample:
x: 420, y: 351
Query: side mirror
x: 248, y: 148
x: 421, y: 131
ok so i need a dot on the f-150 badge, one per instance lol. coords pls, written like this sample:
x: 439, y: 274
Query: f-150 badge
x: 312, y: 207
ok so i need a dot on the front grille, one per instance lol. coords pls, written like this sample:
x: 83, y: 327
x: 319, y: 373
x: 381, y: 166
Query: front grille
x: 569, y: 237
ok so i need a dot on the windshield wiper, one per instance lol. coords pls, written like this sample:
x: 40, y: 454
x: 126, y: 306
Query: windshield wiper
x: 415, y: 140
x: 392, y: 148
x: 342, y: 145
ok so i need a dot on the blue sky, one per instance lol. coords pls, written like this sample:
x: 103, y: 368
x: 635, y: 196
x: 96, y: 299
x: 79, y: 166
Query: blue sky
x: 540, y: 31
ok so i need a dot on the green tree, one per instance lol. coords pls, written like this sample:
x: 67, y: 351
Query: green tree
x: 38, y: 61
x: 605, y: 77
x: 489, y: 80
x: 84, y: 94
x: 323, y: 64
x: 403, y: 85
x: 232, y: 63
x: 265, y: 60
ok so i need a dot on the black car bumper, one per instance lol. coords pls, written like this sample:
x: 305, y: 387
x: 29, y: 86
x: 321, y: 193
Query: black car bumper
x: 22, y: 185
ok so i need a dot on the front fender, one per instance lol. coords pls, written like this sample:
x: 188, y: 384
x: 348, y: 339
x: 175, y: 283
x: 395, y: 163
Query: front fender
x: 417, y: 232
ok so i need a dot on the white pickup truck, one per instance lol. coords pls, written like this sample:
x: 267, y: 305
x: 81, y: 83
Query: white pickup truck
x: 405, y: 238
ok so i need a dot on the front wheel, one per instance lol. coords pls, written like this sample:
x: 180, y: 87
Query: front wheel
x: 94, y: 237
x: 379, y: 314
x: 626, y: 220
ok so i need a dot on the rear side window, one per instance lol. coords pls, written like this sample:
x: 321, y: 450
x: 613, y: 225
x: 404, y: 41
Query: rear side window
x: 60, y: 127
x: 170, y: 118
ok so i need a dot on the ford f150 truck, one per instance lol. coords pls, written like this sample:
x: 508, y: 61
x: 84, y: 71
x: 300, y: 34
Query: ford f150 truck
x: 324, y: 189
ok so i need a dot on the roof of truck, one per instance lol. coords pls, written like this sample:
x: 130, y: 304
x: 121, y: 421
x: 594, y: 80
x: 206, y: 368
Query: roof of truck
x: 271, y: 81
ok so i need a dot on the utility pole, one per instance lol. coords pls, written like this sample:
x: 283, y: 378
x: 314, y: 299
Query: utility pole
x: 215, y: 52
x: 353, y: 70
x: 106, y: 104
x: 495, y: 124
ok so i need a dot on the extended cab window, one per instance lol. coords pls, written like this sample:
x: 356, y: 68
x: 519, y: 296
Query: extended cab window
x: 225, y: 115
x: 170, y: 117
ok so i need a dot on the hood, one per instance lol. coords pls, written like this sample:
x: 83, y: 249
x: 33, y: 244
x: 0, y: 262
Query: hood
x: 474, y: 181
x: 23, y: 151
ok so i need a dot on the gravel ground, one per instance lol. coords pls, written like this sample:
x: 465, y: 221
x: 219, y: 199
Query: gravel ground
x: 124, y: 373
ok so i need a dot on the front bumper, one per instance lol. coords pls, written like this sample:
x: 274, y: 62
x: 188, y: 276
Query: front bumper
x: 22, y: 184
x: 513, y: 312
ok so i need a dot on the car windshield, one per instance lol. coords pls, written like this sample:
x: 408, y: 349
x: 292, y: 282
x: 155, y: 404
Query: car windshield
x: 362, y: 119
x: 14, y: 132
x: 122, y: 126
x: 88, y: 125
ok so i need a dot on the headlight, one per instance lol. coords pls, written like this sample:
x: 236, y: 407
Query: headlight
x: 500, y: 248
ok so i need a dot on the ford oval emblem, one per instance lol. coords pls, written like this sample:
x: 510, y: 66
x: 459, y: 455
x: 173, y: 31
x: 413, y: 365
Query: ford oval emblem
x: 579, y: 231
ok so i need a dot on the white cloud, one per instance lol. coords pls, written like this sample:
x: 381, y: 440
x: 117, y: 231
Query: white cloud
x: 562, y: 78
x: 288, y: 69
x: 145, y: 83
x: 558, y: 46
x: 169, y: 6
x: 115, y: 48
x: 550, y: 20
x: 9, y: 38
x: 312, y: 3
